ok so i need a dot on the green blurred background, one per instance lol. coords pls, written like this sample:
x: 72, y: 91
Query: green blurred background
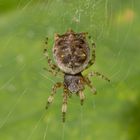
x: 114, y: 113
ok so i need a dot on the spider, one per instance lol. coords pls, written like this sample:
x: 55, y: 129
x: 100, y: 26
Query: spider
x: 72, y: 56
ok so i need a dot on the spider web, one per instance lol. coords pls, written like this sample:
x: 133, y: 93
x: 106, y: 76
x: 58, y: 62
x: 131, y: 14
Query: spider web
x: 25, y: 86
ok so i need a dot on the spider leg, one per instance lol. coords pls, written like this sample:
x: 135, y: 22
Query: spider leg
x: 88, y: 83
x: 82, y: 97
x: 53, y: 68
x: 93, y: 57
x: 64, y: 105
x: 69, y: 94
x: 55, y: 73
x: 99, y: 75
x: 51, y: 97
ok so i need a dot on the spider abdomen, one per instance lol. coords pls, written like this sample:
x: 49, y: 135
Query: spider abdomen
x: 71, y: 52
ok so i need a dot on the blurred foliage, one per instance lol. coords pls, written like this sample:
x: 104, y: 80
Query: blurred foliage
x: 24, y: 86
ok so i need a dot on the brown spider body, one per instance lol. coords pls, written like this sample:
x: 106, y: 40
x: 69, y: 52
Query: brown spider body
x: 71, y: 52
x: 72, y: 55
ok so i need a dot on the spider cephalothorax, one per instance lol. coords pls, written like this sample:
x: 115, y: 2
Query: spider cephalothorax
x: 74, y: 83
x: 71, y: 52
x: 72, y: 55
